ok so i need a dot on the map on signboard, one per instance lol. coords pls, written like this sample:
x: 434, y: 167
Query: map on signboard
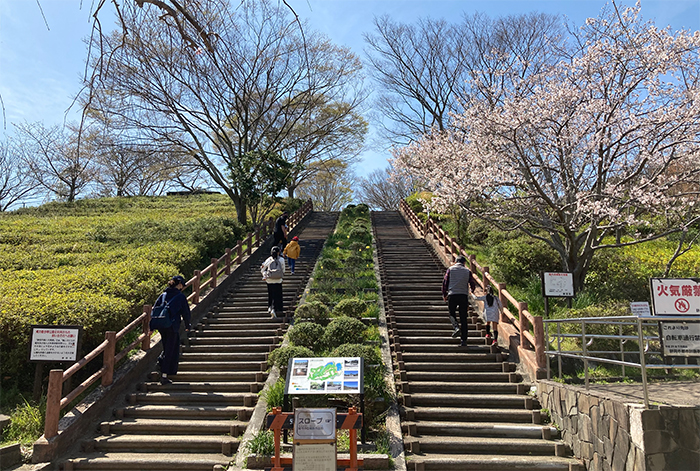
x: 325, y: 376
x: 558, y: 284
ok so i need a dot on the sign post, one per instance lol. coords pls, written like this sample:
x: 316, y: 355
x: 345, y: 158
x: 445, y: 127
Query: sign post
x: 557, y: 285
x: 52, y: 343
x: 314, y: 440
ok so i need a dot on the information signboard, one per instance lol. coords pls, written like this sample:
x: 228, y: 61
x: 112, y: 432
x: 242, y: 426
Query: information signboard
x: 681, y: 339
x: 675, y: 296
x: 558, y: 285
x: 314, y: 457
x: 330, y: 375
x: 314, y: 424
x: 640, y: 309
x: 54, y: 343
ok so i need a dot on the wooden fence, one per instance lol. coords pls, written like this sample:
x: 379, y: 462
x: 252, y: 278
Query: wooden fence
x: 212, y: 273
x: 516, y: 320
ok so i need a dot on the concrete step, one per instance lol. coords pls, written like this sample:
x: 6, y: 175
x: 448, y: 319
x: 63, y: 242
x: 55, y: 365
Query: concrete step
x: 175, y: 427
x: 412, y: 366
x: 149, y: 461
x: 440, y: 387
x: 456, y: 355
x: 480, y: 429
x: 451, y: 377
x: 196, y: 355
x: 158, y: 443
x: 203, y: 386
x: 199, y: 398
x: 220, y: 376
x: 500, y: 401
x: 491, y: 462
x: 221, y: 366
x: 186, y: 412
x: 449, y: 444
x: 467, y: 414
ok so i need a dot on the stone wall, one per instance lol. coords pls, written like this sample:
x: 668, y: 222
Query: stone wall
x: 609, y: 434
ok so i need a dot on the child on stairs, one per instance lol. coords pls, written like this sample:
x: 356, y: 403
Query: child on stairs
x: 492, y: 314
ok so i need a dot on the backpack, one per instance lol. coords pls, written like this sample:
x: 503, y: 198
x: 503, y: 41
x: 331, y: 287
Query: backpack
x: 274, y: 270
x: 160, y: 316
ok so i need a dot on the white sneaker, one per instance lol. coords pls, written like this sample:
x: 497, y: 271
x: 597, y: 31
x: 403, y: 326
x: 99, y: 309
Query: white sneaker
x: 456, y: 333
x: 272, y: 313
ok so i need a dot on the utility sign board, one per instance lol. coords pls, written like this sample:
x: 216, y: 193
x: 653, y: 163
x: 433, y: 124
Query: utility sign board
x: 641, y: 309
x: 314, y: 424
x: 675, y: 296
x: 558, y: 285
x: 314, y: 457
x: 681, y: 339
x: 54, y: 343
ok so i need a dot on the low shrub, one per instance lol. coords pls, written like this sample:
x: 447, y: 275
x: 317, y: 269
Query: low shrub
x: 350, y: 307
x: 262, y: 443
x: 343, y: 330
x: 331, y: 264
x: 313, y: 311
x: 517, y: 259
x: 371, y: 354
x: 280, y: 356
x: 323, y: 298
x: 307, y: 334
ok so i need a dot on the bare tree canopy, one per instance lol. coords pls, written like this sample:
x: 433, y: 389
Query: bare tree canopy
x: 330, y: 186
x: 15, y: 181
x: 379, y: 190
x: 426, y: 70
x: 253, y: 83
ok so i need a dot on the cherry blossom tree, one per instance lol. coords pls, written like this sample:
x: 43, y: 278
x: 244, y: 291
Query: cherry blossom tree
x: 600, y: 150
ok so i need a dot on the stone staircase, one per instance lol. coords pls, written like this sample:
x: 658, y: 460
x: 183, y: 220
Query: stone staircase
x: 464, y: 408
x: 196, y: 422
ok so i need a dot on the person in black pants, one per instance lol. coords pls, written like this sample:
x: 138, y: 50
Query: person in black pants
x: 179, y: 309
x: 280, y: 231
x: 456, y: 285
x: 272, y: 271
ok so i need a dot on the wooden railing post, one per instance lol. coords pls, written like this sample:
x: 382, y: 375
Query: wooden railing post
x: 352, y: 411
x: 227, y: 259
x: 146, y: 342
x: 214, y: 271
x: 108, y: 357
x: 484, y: 280
x: 248, y: 248
x: 195, y: 286
x: 522, y: 306
x: 538, y: 327
x: 239, y: 251
x: 53, y: 404
x: 472, y: 263
x: 504, y: 301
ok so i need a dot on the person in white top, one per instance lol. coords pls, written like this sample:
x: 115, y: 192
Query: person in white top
x: 492, y: 314
x: 272, y: 271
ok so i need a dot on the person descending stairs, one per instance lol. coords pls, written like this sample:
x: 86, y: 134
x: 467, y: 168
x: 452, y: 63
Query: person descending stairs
x: 196, y: 422
x: 464, y: 407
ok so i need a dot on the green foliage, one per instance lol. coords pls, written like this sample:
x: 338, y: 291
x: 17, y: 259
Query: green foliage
x: 323, y: 298
x: 516, y: 260
x: 262, y: 443
x: 274, y: 395
x: 306, y: 334
x: 314, y: 311
x: 343, y: 330
x: 415, y: 202
x: 369, y: 353
x: 259, y: 174
x: 330, y: 264
x: 615, y: 275
x: 26, y: 423
x: 350, y: 307
x: 280, y: 356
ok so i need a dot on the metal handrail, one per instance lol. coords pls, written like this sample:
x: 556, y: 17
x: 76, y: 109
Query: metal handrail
x: 639, y: 323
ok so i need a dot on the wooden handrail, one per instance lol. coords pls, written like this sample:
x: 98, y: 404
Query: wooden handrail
x: 523, y: 320
x: 54, y: 400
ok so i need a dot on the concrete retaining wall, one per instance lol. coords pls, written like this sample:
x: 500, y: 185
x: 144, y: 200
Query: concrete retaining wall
x: 609, y: 434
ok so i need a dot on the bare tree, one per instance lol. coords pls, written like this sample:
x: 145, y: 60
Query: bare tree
x: 54, y: 161
x: 15, y: 184
x: 330, y: 186
x: 427, y: 70
x: 383, y: 191
x: 247, y: 88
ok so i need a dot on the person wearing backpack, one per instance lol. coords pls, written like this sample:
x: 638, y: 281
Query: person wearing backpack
x: 272, y: 272
x: 178, y: 309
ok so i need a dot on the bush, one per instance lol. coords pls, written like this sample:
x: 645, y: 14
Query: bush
x: 343, y: 330
x: 359, y: 233
x: 331, y: 264
x: 323, y: 298
x: 306, y: 334
x: 350, y: 307
x: 314, y: 311
x: 369, y: 353
x: 517, y: 259
x: 280, y: 356
x: 615, y: 275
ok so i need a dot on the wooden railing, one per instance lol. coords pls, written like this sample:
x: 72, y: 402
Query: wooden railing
x: 532, y: 345
x: 219, y: 266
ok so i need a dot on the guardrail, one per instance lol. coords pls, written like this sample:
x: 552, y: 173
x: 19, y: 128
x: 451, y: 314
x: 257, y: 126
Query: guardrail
x: 219, y: 266
x: 532, y: 346
x: 642, y: 329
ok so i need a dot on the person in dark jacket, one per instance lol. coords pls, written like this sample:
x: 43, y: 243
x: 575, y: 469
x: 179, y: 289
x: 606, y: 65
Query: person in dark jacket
x: 179, y: 310
x: 456, y: 285
x: 280, y: 231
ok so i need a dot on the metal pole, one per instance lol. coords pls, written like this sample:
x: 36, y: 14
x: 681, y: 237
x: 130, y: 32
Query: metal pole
x: 546, y: 349
x: 559, y: 348
x: 642, y: 361
x: 622, y: 351
x: 585, y: 351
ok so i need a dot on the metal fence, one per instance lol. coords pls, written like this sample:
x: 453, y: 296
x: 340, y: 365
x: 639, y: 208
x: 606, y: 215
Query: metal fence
x: 590, y: 339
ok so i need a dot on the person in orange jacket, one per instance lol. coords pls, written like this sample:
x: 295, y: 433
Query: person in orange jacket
x: 292, y: 251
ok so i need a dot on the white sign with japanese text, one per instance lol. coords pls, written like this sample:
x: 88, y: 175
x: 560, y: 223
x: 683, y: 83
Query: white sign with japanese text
x: 640, y: 309
x: 54, y: 343
x: 681, y: 339
x: 675, y: 296
x: 314, y: 424
x: 558, y: 284
x: 314, y: 457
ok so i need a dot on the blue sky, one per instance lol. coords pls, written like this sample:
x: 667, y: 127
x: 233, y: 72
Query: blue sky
x: 40, y: 67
